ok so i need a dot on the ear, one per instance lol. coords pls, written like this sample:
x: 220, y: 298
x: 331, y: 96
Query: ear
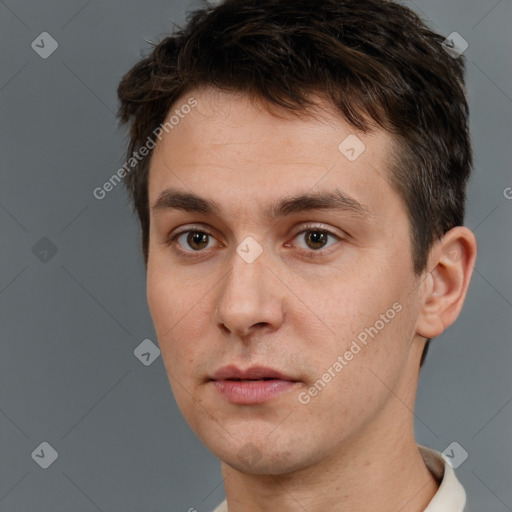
x: 444, y: 287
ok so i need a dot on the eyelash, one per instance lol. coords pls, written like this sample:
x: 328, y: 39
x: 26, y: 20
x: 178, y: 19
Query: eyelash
x: 311, y: 253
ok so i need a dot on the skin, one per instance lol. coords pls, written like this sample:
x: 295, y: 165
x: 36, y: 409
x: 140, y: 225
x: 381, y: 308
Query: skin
x: 296, y: 308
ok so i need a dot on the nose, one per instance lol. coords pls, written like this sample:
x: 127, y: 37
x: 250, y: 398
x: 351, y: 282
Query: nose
x: 249, y: 299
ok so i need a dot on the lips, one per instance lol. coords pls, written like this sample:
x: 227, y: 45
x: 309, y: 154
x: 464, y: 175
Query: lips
x: 254, y: 385
x: 253, y: 373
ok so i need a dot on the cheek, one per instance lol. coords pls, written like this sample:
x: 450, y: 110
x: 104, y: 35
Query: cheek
x: 364, y: 317
x: 161, y: 298
x: 179, y: 322
x: 176, y: 319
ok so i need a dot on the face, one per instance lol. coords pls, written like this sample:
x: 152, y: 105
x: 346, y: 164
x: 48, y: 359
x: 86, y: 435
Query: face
x: 280, y: 282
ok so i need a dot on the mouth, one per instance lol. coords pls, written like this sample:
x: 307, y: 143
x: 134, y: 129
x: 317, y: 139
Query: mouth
x: 254, y: 385
x: 251, y: 380
x: 250, y: 374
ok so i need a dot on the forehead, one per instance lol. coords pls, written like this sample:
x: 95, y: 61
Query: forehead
x: 234, y: 148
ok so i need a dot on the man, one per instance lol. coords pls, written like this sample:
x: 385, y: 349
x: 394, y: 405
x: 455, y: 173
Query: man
x: 299, y: 172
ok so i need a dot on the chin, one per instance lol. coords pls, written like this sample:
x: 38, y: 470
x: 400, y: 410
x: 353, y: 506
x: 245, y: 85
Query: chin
x: 260, y: 457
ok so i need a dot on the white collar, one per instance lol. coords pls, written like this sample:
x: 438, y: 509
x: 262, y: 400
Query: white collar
x: 450, y: 497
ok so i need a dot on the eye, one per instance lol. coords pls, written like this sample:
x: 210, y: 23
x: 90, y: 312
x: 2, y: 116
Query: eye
x: 195, y: 239
x: 316, y: 239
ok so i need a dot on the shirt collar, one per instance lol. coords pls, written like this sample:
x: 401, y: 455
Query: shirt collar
x: 450, y: 497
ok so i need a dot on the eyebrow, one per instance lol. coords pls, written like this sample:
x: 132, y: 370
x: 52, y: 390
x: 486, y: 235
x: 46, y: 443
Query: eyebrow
x: 171, y: 199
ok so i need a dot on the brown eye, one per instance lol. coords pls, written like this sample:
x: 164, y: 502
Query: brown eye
x: 195, y: 240
x: 316, y: 239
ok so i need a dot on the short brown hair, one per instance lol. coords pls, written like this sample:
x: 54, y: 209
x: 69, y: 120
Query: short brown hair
x: 374, y: 60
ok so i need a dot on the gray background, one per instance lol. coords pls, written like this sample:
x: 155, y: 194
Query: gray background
x: 70, y: 321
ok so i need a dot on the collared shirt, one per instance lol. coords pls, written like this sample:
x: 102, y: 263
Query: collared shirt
x: 450, y: 497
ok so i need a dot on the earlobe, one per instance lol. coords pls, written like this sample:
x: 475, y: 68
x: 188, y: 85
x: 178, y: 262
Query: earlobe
x: 444, y: 290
